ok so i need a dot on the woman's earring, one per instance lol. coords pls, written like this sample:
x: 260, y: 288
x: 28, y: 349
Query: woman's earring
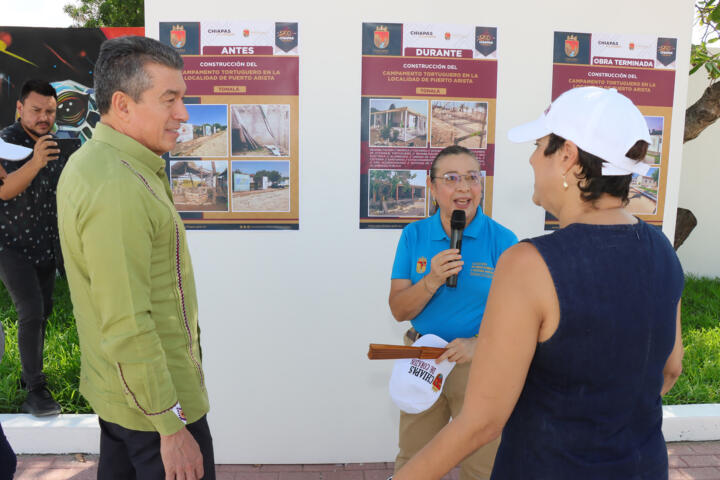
x: 565, y: 184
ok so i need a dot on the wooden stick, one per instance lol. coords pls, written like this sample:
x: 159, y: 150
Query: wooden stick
x: 390, y: 352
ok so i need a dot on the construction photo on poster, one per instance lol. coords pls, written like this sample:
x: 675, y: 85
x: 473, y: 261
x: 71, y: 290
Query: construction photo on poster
x: 642, y: 68
x: 424, y: 87
x: 65, y: 57
x: 235, y: 164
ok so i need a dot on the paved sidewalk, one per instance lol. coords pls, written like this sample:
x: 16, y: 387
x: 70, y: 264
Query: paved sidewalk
x: 688, y: 461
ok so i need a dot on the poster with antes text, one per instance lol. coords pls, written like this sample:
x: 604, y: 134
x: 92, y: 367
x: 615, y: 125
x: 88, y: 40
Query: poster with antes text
x: 642, y: 68
x: 424, y: 87
x: 235, y: 164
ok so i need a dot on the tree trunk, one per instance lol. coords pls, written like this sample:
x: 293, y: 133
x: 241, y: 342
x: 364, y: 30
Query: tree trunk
x: 702, y: 113
x: 684, y: 224
x: 698, y: 117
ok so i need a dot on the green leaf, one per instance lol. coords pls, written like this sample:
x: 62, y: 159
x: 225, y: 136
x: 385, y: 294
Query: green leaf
x: 713, y: 40
x: 715, y: 71
x: 715, y: 15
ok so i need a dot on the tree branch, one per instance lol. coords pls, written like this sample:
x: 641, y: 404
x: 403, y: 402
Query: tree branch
x: 702, y: 113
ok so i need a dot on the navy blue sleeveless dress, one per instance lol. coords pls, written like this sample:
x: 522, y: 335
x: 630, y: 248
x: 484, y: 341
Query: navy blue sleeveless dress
x: 591, y: 406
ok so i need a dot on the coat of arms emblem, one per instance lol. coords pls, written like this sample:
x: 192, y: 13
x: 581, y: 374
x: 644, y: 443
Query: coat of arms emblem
x: 437, y: 383
x: 382, y: 37
x: 421, y: 265
x: 177, y: 36
x: 572, y: 46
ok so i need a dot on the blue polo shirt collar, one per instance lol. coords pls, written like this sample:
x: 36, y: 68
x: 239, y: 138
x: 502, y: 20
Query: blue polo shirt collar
x: 473, y: 230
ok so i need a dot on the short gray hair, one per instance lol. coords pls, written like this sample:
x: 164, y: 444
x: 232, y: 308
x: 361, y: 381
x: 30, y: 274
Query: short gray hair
x: 120, y: 66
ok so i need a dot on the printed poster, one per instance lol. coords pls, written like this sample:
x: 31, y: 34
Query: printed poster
x: 641, y: 67
x: 235, y: 164
x: 424, y: 87
x: 65, y: 57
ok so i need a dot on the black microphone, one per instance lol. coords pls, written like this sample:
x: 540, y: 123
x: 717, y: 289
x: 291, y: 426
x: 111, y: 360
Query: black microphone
x: 457, y: 225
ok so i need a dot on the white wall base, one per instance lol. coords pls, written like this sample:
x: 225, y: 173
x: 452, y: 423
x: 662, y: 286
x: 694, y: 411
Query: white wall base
x: 57, y: 434
x: 81, y: 433
x: 691, y: 423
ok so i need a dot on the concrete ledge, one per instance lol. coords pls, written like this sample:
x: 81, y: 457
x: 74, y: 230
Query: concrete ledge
x: 81, y: 433
x: 57, y: 434
x: 691, y: 423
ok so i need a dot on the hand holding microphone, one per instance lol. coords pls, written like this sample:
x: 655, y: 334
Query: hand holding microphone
x: 445, y: 266
x: 457, y: 225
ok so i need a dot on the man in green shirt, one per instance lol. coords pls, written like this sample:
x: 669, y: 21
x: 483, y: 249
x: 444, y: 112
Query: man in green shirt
x: 130, y: 274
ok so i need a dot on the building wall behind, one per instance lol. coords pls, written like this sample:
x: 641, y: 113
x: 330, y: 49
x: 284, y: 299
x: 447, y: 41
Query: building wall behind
x: 698, y: 192
x: 287, y: 316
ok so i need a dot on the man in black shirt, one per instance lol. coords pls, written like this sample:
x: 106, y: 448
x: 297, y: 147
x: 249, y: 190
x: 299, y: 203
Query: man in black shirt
x: 8, y: 460
x: 28, y: 234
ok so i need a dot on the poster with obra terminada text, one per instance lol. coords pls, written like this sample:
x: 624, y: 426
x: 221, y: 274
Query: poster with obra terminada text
x: 642, y: 68
x: 235, y: 163
x: 424, y: 87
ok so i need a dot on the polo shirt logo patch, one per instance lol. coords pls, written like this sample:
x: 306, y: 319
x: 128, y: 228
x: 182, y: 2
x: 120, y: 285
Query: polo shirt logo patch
x: 481, y: 269
x: 421, y: 265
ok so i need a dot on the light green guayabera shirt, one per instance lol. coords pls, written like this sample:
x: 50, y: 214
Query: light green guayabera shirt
x: 132, y: 286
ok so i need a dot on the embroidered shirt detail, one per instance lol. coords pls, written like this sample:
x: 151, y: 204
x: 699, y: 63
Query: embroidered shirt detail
x: 137, y: 404
x: 178, y: 270
x: 182, y: 305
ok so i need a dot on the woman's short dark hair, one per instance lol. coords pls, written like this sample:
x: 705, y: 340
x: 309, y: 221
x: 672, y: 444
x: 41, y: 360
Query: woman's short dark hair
x: 451, y: 150
x: 592, y: 183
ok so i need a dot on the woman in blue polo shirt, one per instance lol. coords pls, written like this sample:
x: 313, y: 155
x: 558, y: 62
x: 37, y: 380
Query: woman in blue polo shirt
x: 418, y: 293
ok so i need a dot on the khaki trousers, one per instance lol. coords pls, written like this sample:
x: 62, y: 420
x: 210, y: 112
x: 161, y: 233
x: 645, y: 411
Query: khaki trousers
x: 416, y: 430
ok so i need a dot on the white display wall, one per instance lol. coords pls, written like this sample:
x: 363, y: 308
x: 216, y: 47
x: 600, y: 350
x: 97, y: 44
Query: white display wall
x: 700, y: 171
x: 287, y: 316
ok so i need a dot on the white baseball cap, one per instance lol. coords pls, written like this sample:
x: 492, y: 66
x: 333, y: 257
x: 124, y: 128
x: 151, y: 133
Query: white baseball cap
x: 8, y: 151
x: 599, y: 121
x: 416, y: 384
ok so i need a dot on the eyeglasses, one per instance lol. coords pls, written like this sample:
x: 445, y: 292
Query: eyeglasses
x: 454, y: 179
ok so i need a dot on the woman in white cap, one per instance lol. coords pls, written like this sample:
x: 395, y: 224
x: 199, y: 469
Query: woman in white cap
x: 581, y: 333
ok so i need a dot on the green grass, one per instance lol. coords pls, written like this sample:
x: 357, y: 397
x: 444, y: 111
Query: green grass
x: 62, y: 355
x: 700, y: 380
x: 699, y: 383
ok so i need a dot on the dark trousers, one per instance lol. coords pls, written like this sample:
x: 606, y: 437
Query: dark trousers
x: 30, y: 287
x: 8, y: 460
x: 134, y: 455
